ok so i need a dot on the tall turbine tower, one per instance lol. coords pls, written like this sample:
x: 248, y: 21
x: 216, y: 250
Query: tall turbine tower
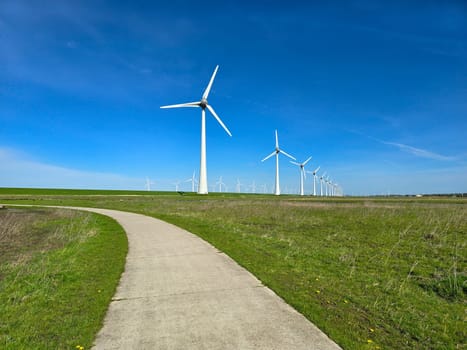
x: 277, y: 150
x: 321, y: 182
x: 302, y: 173
x: 314, y: 179
x: 203, y: 104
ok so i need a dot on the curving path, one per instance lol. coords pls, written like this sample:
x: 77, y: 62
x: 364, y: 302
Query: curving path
x: 179, y: 292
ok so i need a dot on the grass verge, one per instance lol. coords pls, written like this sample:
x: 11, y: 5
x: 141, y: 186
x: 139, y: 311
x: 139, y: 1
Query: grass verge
x: 372, y: 274
x: 58, y: 272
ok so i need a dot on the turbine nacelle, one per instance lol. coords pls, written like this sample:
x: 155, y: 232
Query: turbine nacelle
x: 203, y: 103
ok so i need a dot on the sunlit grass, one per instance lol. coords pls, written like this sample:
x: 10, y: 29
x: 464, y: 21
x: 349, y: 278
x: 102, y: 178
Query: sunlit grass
x: 370, y: 273
x: 58, y: 272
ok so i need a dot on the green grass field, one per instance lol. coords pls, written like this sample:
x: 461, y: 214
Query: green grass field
x: 385, y: 273
x: 58, y: 272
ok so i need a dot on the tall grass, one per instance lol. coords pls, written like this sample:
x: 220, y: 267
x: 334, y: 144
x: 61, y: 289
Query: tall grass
x: 58, y: 272
x: 370, y: 273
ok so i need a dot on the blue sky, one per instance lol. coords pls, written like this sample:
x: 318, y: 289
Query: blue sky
x: 375, y: 91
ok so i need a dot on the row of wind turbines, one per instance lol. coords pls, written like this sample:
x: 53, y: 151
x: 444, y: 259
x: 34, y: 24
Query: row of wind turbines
x: 331, y: 188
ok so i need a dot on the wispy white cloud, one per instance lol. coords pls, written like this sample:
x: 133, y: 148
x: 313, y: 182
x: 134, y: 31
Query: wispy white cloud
x: 19, y: 170
x: 420, y: 152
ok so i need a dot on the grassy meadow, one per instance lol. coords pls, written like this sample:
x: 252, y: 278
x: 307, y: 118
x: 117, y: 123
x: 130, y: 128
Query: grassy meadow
x: 371, y: 273
x: 58, y: 272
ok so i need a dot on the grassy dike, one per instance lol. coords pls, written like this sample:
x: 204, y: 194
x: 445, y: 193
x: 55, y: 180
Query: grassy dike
x: 371, y: 273
x: 58, y: 272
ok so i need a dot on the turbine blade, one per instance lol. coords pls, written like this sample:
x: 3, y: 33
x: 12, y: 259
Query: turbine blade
x: 277, y: 141
x: 306, y: 161
x: 295, y: 163
x: 218, y: 119
x: 286, y: 154
x: 188, y: 104
x: 304, y: 173
x: 269, y: 156
x: 208, y: 89
x: 317, y: 169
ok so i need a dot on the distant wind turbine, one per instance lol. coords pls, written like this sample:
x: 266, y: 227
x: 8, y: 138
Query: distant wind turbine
x: 302, y: 174
x: 253, y: 187
x: 220, y: 183
x: 203, y: 104
x: 193, y: 181
x: 148, y: 184
x: 238, y: 186
x: 176, y: 185
x: 314, y: 179
x: 321, y: 182
x: 277, y: 150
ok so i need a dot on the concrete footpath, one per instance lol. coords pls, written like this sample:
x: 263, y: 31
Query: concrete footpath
x: 179, y: 292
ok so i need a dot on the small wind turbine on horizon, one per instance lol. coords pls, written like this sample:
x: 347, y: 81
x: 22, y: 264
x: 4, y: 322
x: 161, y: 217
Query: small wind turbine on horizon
x: 177, y: 183
x: 238, y: 186
x: 148, y: 184
x: 193, y: 181
x: 203, y: 104
x: 302, y: 174
x: 253, y: 187
x: 277, y: 150
x: 220, y: 183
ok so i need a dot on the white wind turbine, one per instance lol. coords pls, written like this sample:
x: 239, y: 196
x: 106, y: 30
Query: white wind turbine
x: 321, y: 182
x: 277, y: 150
x: 176, y: 185
x: 302, y: 173
x: 220, y: 183
x: 148, y: 184
x: 193, y: 181
x: 314, y: 179
x: 253, y: 187
x: 238, y: 186
x: 203, y: 104
x: 326, y: 182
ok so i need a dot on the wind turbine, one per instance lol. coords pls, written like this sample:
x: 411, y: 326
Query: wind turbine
x: 277, y: 150
x: 176, y: 185
x: 193, y: 181
x: 220, y: 183
x: 302, y: 173
x: 238, y: 186
x: 314, y: 179
x: 148, y: 184
x: 253, y: 187
x: 321, y: 182
x: 203, y: 104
